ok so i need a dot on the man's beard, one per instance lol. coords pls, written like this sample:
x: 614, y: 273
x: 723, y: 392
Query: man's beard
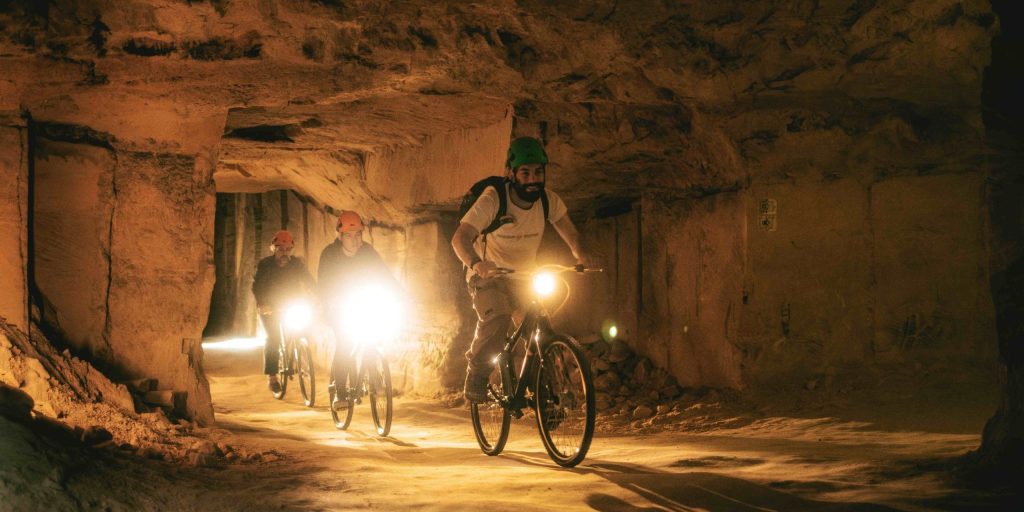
x: 526, y: 195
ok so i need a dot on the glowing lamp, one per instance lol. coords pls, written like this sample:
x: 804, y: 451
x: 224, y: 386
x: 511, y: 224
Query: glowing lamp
x: 544, y: 284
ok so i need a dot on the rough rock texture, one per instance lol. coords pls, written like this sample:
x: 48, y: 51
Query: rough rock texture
x: 73, y: 206
x: 122, y: 242
x: 13, y: 220
x: 57, y: 383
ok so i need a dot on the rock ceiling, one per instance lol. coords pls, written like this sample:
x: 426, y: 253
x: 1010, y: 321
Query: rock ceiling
x: 684, y: 97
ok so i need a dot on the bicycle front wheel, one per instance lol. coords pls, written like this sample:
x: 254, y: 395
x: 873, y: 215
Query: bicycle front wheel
x: 343, y: 417
x: 283, y: 363
x: 565, y: 402
x: 304, y: 369
x: 491, y: 418
x: 381, y: 406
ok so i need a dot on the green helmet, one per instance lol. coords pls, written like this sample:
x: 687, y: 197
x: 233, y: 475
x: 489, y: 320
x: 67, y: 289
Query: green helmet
x: 525, y: 150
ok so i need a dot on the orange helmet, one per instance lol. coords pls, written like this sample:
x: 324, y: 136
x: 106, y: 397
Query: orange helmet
x: 349, y: 221
x: 283, y: 239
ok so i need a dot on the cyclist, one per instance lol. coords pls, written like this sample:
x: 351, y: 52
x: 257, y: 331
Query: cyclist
x: 345, y: 263
x: 514, y: 245
x: 280, y: 278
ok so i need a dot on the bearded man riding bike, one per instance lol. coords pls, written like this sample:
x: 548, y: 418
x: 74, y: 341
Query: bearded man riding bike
x: 345, y: 264
x: 513, y: 245
x: 280, y: 278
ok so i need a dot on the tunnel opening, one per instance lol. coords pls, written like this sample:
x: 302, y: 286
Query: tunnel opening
x: 244, y: 225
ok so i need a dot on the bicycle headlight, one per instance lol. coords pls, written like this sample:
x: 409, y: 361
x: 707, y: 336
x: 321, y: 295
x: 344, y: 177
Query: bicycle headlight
x: 372, y: 314
x: 544, y: 284
x: 298, y: 316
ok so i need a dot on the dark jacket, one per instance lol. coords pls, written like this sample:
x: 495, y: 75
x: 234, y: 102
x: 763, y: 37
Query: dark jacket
x: 337, y: 271
x: 274, y: 286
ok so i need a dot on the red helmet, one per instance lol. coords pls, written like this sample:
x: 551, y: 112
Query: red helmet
x: 283, y: 239
x: 349, y: 221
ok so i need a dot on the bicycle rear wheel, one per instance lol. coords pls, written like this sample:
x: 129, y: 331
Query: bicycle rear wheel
x: 381, y: 407
x: 343, y: 418
x: 565, y: 402
x: 304, y: 369
x: 491, y: 418
x: 283, y: 363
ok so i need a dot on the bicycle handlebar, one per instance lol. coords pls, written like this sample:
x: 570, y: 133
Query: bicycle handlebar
x: 580, y: 269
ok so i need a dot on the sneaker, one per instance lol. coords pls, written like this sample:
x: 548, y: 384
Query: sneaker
x: 274, y: 384
x: 476, y: 387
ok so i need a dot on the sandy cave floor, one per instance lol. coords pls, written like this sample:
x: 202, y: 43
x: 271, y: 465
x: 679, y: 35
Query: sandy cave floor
x: 769, y: 451
x: 737, y: 461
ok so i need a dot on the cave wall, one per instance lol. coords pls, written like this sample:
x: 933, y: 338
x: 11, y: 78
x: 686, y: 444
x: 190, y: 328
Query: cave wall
x: 123, y: 239
x: 73, y: 205
x: 161, y: 247
x: 598, y: 301
x: 14, y: 219
x: 846, y: 273
x: 786, y: 279
x: 692, y: 287
x: 441, y: 319
x: 808, y: 282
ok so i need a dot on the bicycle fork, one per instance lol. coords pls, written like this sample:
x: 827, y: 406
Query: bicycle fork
x: 516, y: 385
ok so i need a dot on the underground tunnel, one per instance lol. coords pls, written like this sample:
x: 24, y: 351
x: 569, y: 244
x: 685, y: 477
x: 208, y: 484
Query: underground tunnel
x: 806, y: 216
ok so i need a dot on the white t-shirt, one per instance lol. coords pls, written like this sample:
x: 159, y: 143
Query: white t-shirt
x: 513, y: 245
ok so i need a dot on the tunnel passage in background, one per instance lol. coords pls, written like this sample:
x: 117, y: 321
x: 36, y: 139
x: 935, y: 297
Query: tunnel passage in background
x: 243, y: 228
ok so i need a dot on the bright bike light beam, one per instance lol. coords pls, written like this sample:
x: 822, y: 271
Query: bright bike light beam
x: 298, y: 316
x: 235, y: 344
x: 373, y: 314
x: 544, y: 284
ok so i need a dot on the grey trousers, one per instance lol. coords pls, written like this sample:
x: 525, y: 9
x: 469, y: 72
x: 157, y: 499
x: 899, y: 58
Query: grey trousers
x: 494, y: 300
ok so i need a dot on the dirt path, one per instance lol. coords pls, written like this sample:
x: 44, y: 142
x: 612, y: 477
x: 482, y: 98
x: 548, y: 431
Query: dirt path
x: 431, y: 461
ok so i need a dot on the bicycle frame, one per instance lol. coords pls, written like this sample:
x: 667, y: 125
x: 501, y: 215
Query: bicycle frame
x: 535, y: 328
x: 357, y: 366
x: 288, y: 341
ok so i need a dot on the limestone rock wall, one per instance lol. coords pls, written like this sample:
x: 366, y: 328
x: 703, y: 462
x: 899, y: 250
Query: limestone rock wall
x: 123, y: 241
x: 790, y: 279
x: 73, y: 209
x: 14, y: 220
x: 442, y: 319
x: 691, y: 293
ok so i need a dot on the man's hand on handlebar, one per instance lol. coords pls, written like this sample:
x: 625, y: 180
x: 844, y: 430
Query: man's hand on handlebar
x: 484, y: 268
x: 582, y: 262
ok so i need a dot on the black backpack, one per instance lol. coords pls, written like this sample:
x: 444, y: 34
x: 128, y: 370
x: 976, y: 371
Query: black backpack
x: 500, y: 219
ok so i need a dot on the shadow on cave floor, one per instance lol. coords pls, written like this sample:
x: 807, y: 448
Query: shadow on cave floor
x: 737, y: 457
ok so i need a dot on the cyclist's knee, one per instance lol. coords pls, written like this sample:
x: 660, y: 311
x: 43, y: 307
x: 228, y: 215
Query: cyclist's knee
x: 493, y: 327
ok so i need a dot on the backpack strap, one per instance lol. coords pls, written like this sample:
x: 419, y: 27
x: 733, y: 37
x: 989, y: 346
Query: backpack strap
x: 544, y: 203
x: 498, y: 183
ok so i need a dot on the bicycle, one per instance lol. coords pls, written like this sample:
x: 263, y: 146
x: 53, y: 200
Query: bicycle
x: 371, y: 377
x: 372, y: 318
x: 554, y: 380
x: 295, y: 353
